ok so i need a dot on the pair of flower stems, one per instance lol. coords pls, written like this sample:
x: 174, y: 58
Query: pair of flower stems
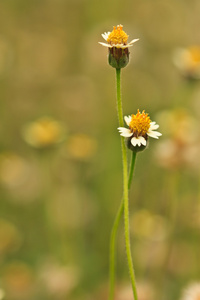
x: 124, y: 206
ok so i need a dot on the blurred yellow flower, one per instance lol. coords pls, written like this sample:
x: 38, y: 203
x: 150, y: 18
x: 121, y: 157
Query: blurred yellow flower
x: 150, y: 226
x: 13, y: 169
x: 44, y: 132
x: 9, y: 236
x: 18, y: 280
x: 81, y: 146
x: 187, y: 60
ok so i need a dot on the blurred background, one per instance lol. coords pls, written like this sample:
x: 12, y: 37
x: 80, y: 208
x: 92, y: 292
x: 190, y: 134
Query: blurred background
x: 60, y: 156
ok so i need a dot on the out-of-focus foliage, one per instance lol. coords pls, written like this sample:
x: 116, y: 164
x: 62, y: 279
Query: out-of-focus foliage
x: 60, y: 157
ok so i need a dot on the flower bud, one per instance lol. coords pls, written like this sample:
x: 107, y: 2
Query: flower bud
x: 118, y: 58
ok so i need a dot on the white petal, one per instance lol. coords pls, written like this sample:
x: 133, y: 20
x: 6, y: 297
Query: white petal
x: 143, y: 141
x: 134, y: 141
x: 122, y: 46
x: 128, y: 119
x: 105, y: 35
x: 124, y: 131
x: 106, y: 45
x: 138, y: 141
x: 133, y: 41
x: 154, y: 134
x: 116, y: 46
x: 153, y: 126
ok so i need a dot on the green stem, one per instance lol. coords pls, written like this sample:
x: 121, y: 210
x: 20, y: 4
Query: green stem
x: 126, y: 227
x: 119, y: 100
x: 125, y: 205
x: 131, y: 169
x: 114, y: 231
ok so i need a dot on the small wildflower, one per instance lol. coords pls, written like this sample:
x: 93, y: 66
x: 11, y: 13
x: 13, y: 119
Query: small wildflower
x: 44, y: 132
x: 140, y: 127
x: 57, y: 279
x: 117, y: 47
x: 180, y: 148
x: 2, y: 294
x: 10, y: 238
x: 19, y: 280
x: 117, y: 38
x: 192, y: 292
x: 13, y: 169
x: 187, y: 60
x: 152, y: 227
x: 81, y: 146
x: 145, y: 289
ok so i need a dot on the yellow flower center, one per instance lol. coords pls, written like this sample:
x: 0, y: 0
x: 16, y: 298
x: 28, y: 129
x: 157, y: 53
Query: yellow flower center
x: 140, y: 124
x: 195, y: 54
x: 117, y: 36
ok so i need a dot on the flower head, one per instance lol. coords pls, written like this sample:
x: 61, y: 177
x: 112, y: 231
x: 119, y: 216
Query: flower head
x: 187, y: 60
x: 81, y: 146
x: 117, y: 38
x: 140, y: 127
x: 44, y: 132
x: 192, y: 292
x: 117, y: 46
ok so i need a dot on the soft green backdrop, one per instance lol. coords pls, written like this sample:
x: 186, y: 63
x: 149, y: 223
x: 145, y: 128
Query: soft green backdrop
x: 57, y: 204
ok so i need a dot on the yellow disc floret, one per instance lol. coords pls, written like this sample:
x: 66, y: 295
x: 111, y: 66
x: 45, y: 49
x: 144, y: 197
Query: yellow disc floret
x: 140, y: 124
x: 117, y: 36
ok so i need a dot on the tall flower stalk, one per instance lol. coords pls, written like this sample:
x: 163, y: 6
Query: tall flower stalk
x: 114, y: 231
x: 125, y: 187
x: 140, y: 128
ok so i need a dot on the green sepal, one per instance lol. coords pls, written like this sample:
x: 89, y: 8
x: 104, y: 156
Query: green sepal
x: 118, y: 58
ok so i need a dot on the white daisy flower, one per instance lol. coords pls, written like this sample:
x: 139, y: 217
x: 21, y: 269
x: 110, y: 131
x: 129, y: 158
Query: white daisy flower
x: 117, y: 38
x: 192, y: 292
x: 140, y: 127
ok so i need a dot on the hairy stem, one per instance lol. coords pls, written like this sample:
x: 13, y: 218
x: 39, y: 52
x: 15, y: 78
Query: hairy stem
x: 124, y: 205
x: 114, y: 231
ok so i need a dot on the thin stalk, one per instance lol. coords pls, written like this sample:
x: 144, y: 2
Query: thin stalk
x: 126, y: 227
x: 125, y: 191
x: 119, y: 100
x: 131, y: 169
x: 114, y: 231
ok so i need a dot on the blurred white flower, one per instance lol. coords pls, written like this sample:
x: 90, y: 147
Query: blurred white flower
x: 145, y: 291
x: 192, y: 292
x: 2, y: 294
x: 182, y: 145
x: 57, y: 279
